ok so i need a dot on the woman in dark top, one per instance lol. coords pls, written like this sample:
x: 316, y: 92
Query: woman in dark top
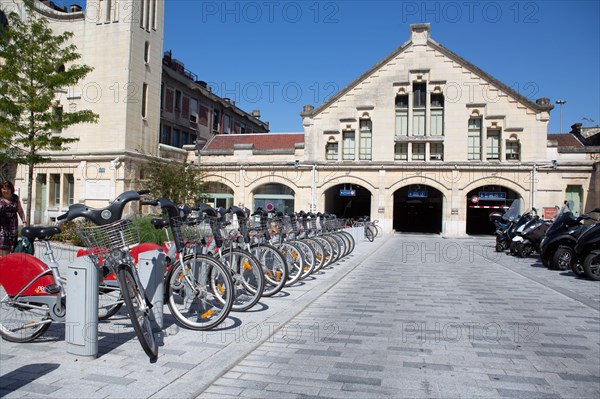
x: 10, y: 207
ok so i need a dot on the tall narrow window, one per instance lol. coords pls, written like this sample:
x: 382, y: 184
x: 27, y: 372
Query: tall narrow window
x: 402, y: 115
x: 144, y: 100
x: 203, y: 115
x: 493, y: 144
x: 348, y: 148
x: 193, y: 111
x: 419, y: 108
x: 418, y: 151
x: 147, y: 52
x: 69, y: 189
x: 513, y: 150
x: 177, y: 101
x: 55, y: 189
x: 401, y: 152
x: 153, y: 14
x: 165, y: 137
x: 147, y: 16
x: 331, y: 151
x: 474, y: 139
x: 216, y: 121
x: 437, y: 114
x: 58, y: 118
x: 366, y: 137
x: 107, y: 10
x: 141, y: 13
x: 226, y: 124
x: 436, y: 151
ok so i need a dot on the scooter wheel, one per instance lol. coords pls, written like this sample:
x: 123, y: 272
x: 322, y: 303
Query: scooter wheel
x: 591, y: 266
x: 563, y: 258
x: 577, y: 268
x: 525, y: 251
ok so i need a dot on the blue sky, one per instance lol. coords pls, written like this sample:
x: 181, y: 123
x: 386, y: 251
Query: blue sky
x: 277, y: 56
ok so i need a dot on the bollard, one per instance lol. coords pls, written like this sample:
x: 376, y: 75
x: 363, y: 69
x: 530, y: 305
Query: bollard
x: 81, y: 327
x: 151, y: 269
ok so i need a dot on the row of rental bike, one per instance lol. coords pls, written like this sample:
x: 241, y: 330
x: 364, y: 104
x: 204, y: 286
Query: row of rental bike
x: 566, y: 242
x: 217, y: 261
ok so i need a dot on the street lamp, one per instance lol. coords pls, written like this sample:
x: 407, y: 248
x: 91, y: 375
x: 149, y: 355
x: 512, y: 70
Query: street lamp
x: 561, y: 103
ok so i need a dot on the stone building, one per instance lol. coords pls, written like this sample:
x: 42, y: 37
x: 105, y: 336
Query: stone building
x: 424, y: 141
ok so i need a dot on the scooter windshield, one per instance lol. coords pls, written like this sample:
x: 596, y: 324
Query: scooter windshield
x: 514, y: 211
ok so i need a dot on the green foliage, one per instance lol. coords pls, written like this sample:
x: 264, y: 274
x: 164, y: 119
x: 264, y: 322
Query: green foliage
x: 69, y: 232
x: 36, y: 66
x: 174, y: 180
x: 148, y: 233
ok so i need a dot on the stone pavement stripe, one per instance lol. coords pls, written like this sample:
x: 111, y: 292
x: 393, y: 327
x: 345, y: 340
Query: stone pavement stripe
x: 180, y: 365
x: 579, y: 377
x: 357, y: 366
x: 500, y: 355
x: 560, y: 354
x: 108, y: 379
x: 32, y: 387
x: 407, y: 349
x: 564, y: 346
x: 433, y: 366
x: 353, y: 379
x: 514, y: 393
x: 317, y: 352
x: 518, y: 379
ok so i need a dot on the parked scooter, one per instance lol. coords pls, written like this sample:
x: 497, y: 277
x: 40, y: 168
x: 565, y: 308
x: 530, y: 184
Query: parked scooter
x: 505, y: 225
x: 529, y: 236
x: 558, y: 247
x: 587, y: 251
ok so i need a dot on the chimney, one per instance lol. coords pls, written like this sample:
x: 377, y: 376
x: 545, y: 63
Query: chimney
x: 543, y: 101
x: 75, y: 8
x: 419, y: 34
x: 256, y: 113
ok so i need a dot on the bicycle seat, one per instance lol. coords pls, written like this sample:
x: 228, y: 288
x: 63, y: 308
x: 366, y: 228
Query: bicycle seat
x: 159, y: 223
x: 31, y: 233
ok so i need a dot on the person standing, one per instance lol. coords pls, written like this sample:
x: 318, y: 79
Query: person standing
x: 10, y: 207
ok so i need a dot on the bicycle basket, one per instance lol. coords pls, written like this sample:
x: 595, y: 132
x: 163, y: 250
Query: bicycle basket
x: 193, y: 231
x: 121, y: 234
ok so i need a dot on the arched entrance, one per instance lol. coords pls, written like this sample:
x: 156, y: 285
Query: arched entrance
x: 418, y: 209
x: 484, y: 200
x: 348, y: 201
x: 218, y: 195
x: 274, y: 196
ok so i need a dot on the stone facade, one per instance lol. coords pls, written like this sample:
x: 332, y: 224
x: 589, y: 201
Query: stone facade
x: 123, y: 41
x: 423, y: 141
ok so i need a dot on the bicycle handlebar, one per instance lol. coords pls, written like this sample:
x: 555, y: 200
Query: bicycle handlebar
x: 106, y: 215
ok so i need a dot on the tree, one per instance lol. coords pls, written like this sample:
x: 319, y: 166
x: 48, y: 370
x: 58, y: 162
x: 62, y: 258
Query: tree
x: 177, y: 181
x: 35, y: 65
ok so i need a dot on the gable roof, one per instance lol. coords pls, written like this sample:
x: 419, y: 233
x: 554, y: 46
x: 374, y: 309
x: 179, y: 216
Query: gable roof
x: 448, y: 53
x: 565, y: 140
x: 260, y: 141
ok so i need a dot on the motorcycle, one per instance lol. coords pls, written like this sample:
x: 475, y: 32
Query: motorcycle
x: 529, y: 236
x: 587, y: 250
x: 557, y: 248
x: 505, y: 225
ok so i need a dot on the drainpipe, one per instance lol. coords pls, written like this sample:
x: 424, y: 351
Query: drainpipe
x: 533, y: 184
x: 313, y: 189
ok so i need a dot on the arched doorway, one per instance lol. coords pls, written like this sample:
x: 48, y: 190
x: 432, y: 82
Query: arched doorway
x: 418, y: 209
x: 484, y: 200
x: 218, y: 195
x: 274, y: 196
x: 348, y: 201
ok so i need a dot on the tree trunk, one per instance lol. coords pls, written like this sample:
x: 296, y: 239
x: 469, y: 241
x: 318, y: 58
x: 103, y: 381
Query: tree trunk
x: 29, y: 190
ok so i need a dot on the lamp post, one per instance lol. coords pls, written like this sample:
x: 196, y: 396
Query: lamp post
x: 561, y: 103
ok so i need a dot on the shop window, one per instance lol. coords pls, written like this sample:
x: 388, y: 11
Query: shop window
x: 474, y: 139
x: 366, y: 137
x: 349, y: 146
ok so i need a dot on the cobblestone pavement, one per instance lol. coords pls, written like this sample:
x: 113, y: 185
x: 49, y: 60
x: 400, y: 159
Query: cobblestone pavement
x: 411, y: 316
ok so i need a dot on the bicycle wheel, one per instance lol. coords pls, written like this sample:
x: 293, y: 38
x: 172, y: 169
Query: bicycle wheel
x: 110, y: 300
x: 199, y: 294
x: 336, y: 250
x: 274, y: 267
x: 294, y: 260
x: 247, y: 276
x: 327, y: 251
x: 350, y: 240
x: 369, y: 234
x: 22, y: 321
x: 313, y: 255
x: 134, y: 298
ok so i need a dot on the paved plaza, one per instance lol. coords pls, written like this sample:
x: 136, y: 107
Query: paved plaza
x: 407, y: 316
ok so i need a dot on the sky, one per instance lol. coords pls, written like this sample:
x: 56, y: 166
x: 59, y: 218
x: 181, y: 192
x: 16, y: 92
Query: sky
x: 277, y: 56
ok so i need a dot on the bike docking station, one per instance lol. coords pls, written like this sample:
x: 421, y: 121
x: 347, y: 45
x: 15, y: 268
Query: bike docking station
x: 81, y: 326
x: 151, y: 269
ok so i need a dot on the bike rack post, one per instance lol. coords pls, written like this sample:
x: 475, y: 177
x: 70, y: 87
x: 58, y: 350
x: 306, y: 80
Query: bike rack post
x: 81, y: 327
x: 151, y: 269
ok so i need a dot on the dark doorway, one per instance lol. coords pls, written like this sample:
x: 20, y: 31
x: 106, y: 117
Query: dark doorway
x: 348, y: 201
x: 484, y: 200
x: 418, y: 209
